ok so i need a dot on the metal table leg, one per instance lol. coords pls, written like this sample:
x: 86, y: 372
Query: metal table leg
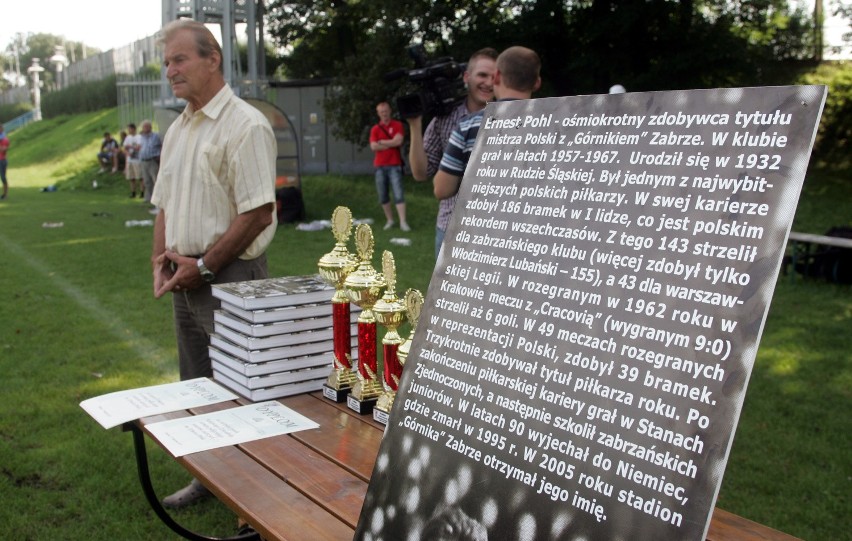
x: 148, y: 489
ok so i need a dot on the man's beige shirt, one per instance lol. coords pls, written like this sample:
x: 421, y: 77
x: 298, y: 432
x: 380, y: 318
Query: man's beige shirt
x: 216, y: 162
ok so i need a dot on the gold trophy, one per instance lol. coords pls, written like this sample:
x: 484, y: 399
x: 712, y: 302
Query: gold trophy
x: 389, y: 312
x: 413, y: 304
x: 364, y: 286
x: 334, y: 267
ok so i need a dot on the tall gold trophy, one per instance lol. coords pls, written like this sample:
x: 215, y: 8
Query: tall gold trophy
x: 413, y: 305
x: 364, y: 286
x: 389, y: 312
x: 334, y: 267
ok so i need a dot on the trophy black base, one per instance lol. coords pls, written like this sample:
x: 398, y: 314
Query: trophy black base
x: 335, y: 395
x: 362, y: 407
x: 381, y: 415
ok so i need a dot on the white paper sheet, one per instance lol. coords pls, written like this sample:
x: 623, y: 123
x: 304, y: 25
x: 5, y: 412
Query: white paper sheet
x: 113, y: 409
x: 228, y: 427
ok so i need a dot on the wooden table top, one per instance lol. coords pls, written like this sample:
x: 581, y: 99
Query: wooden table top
x: 311, y: 484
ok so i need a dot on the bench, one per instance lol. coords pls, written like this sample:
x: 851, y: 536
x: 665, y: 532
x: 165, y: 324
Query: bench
x: 803, y: 257
x: 311, y: 484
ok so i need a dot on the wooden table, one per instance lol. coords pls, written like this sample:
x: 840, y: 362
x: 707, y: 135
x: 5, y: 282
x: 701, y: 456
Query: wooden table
x: 310, y: 485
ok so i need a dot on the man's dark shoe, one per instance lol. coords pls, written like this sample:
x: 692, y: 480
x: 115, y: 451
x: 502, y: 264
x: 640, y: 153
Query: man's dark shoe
x: 193, y: 493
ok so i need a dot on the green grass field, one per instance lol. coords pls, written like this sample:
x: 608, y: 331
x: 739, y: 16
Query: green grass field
x: 78, y: 319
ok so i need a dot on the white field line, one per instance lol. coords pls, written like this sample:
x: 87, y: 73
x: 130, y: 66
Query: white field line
x: 112, y: 323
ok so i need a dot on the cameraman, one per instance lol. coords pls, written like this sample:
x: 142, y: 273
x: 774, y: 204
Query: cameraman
x: 516, y: 78
x: 426, y: 149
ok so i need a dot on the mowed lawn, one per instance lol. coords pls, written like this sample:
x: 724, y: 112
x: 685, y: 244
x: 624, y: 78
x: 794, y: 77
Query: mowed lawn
x: 78, y: 319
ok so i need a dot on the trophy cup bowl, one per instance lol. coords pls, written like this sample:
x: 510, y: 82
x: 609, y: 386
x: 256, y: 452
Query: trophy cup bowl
x: 390, y: 314
x: 334, y: 267
x: 364, y: 289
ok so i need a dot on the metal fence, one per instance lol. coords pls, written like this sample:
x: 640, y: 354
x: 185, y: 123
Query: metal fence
x: 125, y: 60
x: 19, y: 121
x: 12, y: 96
x: 136, y: 98
x: 319, y: 150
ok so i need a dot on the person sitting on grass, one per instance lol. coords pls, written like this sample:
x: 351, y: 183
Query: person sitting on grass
x: 108, y: 156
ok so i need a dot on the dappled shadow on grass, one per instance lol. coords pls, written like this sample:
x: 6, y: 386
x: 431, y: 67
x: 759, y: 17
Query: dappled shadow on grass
x: 824, y: 202
x: 789, y: 465
x: 790, y: 454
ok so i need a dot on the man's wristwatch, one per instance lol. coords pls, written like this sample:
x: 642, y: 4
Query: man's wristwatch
x: 206, y: 274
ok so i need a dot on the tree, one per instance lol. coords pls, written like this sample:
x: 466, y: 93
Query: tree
x: 271, y: 59
x: 842, y: 8
x: 585, y: 45
x: 41, y: 46
x: 318, y: 35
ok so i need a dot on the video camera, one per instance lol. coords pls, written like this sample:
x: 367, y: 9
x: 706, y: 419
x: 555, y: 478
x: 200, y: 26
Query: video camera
x: 441, y: 85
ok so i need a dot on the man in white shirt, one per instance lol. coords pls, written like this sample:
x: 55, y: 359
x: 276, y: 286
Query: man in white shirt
x: 216, y: 194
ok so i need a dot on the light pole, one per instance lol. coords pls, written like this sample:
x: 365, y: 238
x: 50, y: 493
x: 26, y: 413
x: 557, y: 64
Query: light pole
x: 34, y: 71
x: 16, y: 49
x: 59, y: 60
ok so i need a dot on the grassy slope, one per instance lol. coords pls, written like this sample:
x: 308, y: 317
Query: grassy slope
x: 77, y: 319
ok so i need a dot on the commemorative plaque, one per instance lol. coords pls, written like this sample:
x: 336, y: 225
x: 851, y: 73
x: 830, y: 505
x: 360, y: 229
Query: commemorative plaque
x: 583, y: 353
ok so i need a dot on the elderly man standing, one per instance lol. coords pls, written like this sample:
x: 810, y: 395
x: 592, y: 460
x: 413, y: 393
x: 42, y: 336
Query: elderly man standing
x: 216, y: 195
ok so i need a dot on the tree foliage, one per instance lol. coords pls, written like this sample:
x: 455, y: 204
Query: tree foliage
x: 42, y: 46
x: 585, y: 45
x: 80, y: 98
x: 834, y: 139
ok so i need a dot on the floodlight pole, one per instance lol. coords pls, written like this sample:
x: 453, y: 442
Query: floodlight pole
x: 59, y: 60
x: 34, y: 72
x: 227, y: 14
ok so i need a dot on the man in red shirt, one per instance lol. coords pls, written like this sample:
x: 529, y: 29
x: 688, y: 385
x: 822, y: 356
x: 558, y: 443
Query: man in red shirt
x: 4, y: 146
x: 385, y: 140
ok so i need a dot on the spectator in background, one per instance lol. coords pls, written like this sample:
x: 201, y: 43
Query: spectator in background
x: 4, y: 148
x: 122, y: 135
x: 108, y: 156
x: 150, y: 146
x: 386, y: 138
x: 425, y: 149
x: 132, y: 165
